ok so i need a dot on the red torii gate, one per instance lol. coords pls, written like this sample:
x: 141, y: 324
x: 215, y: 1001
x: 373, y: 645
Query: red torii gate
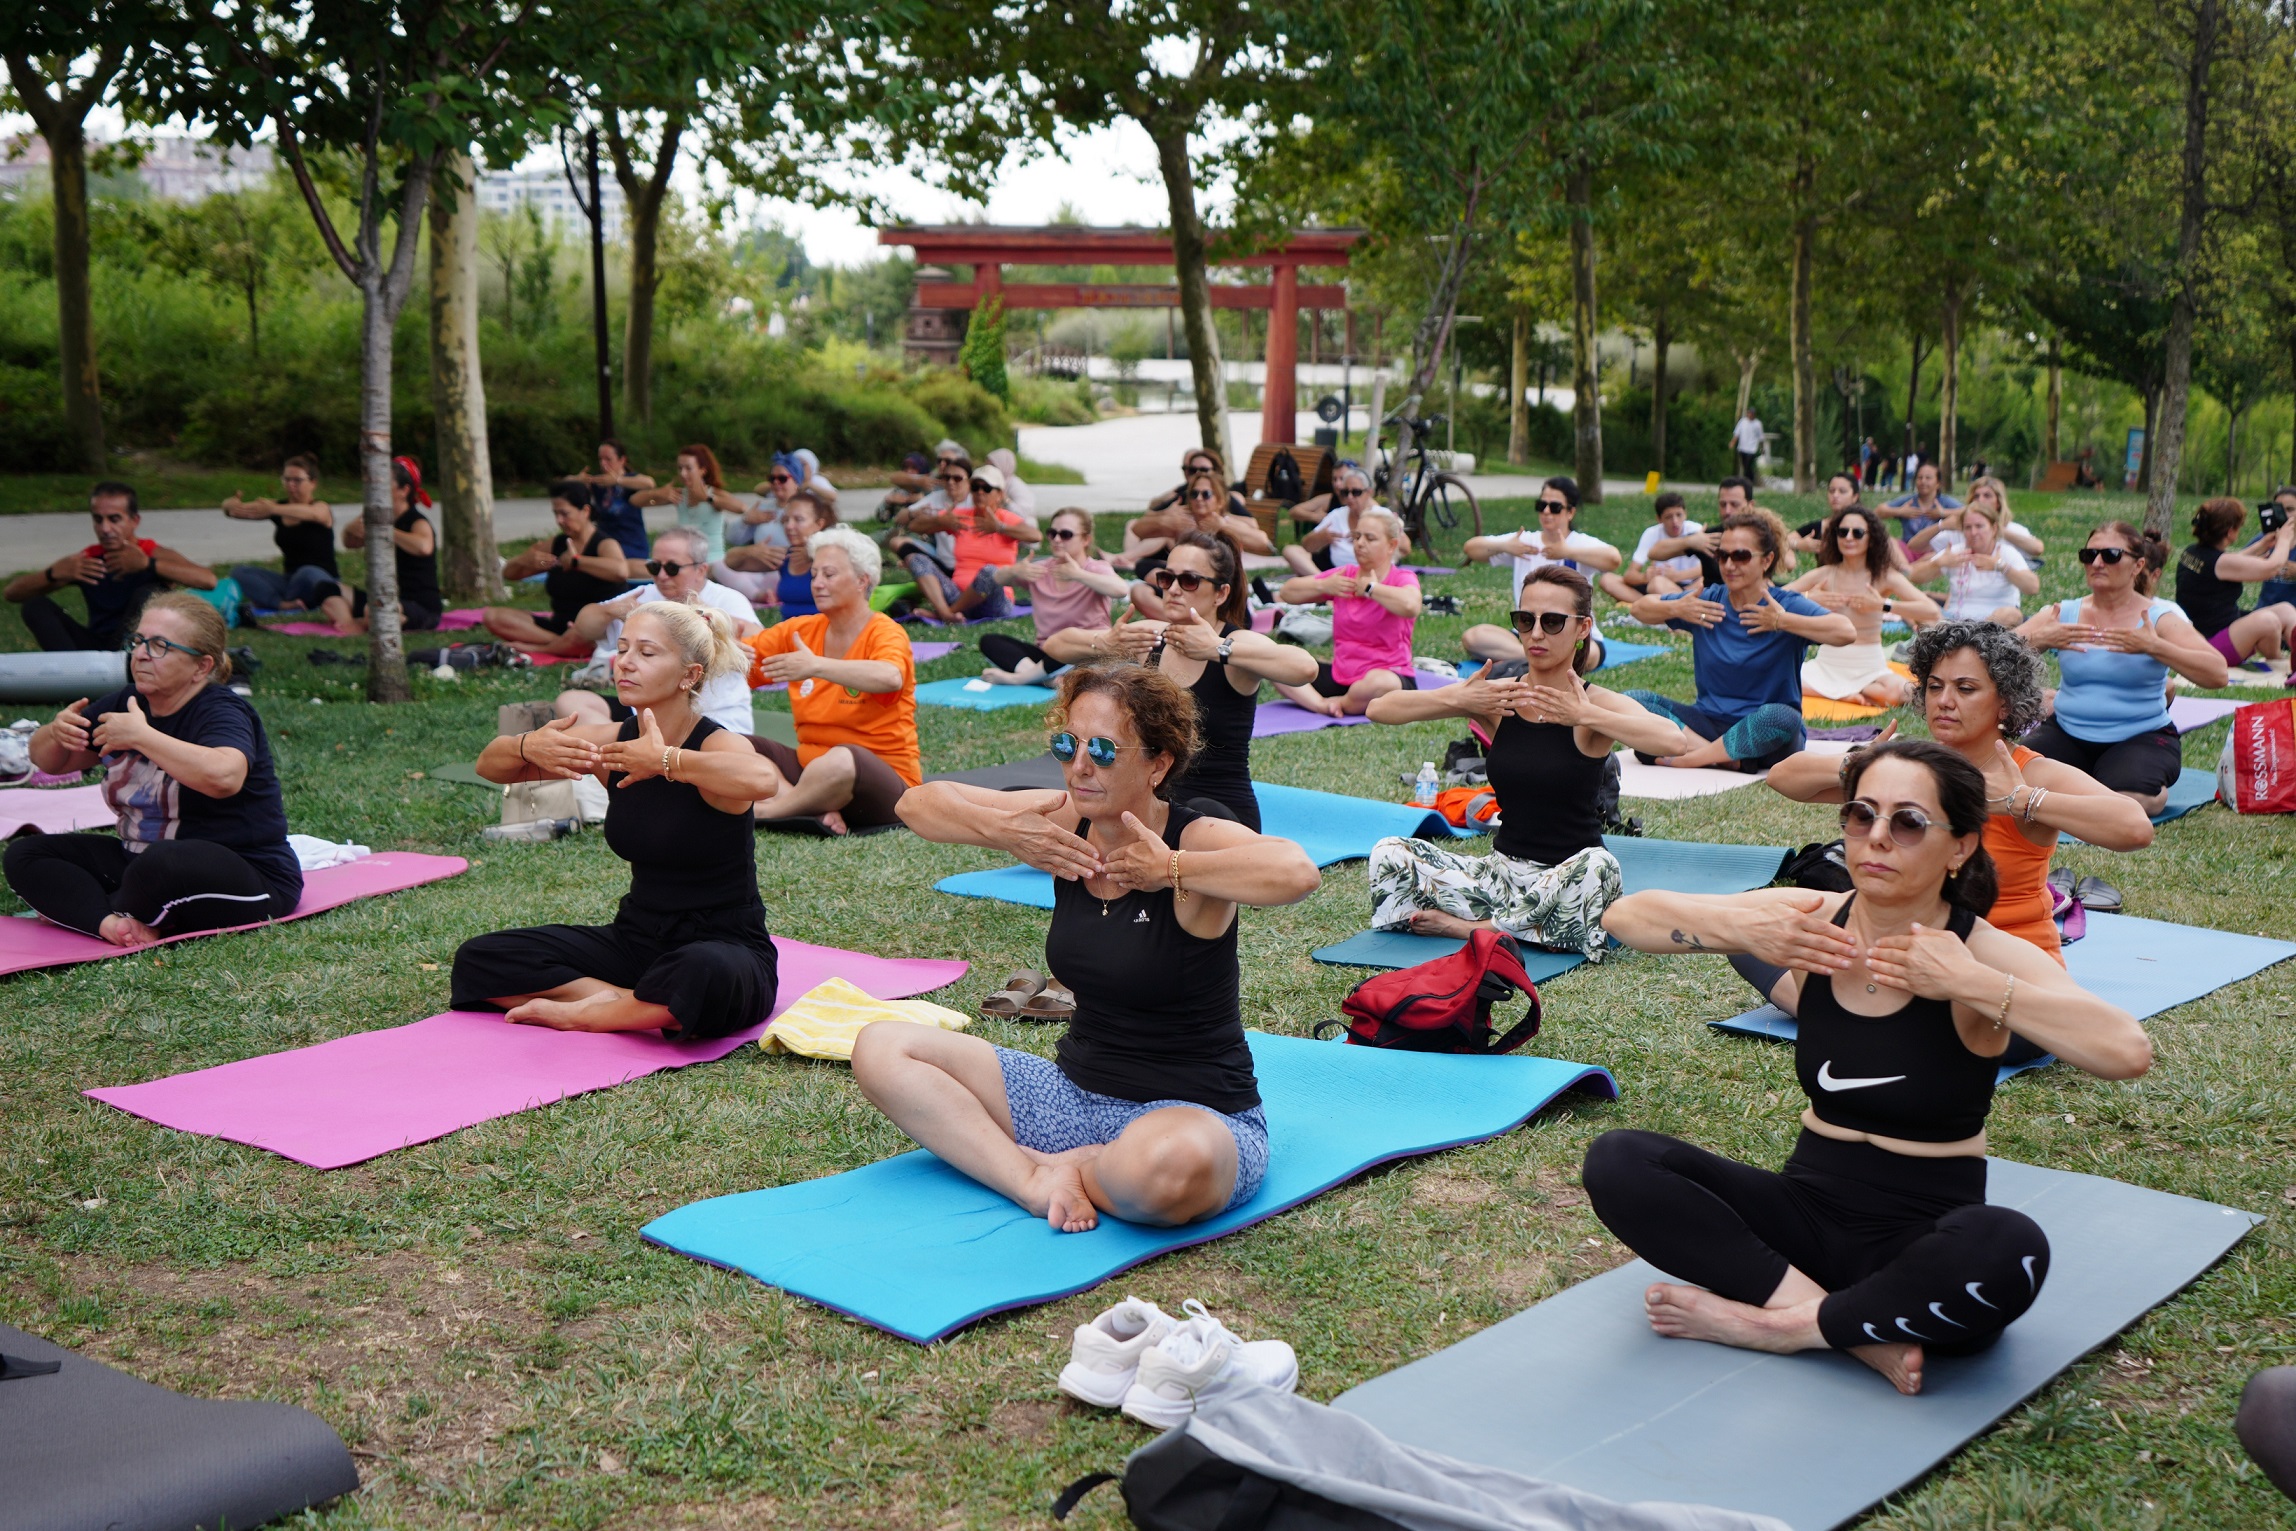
x: 988, y: 250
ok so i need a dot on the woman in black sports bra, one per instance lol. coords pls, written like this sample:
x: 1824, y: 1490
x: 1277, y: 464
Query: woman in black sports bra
x: 688, y: 953
x: 1876, y: 1238
x: 1208, y: 647
x: 1149, y: 1112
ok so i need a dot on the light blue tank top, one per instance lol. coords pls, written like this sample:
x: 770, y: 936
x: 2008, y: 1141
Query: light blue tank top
x: 2108, y: 697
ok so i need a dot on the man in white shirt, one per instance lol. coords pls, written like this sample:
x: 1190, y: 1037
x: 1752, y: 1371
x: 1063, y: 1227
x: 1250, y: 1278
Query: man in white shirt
x: 1747, y: 439
x: 1554, y: 542
x: 1331, y: 544
x: 681, y: 571
x: 1665, y: 559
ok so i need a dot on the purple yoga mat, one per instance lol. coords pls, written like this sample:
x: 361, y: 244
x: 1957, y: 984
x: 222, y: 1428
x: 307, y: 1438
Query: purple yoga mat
x: 366, y: 1094
x: 1283, y: 717
x: 2187, y: 713
x: 54, y: 810
x: 28, y: 944
x: 1428, y: 568
x: 926, y: 653
x: 926, y: 617
x: 453, y: 622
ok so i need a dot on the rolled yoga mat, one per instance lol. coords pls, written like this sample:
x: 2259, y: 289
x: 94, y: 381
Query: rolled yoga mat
x: 29, y: 944
x: 88, y: 1448
x: 918, y: 1250
x: 366, y: 1094
x: 1328, y: 826
x: 1679, y: 866
x: 1580, y: 1391
x: 61, y: 677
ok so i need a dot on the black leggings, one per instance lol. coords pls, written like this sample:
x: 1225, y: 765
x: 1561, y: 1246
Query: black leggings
x: 1907, y: 1248
x: 174, y: 886
x: 1006, y: 653
x: 2141, y: 765
x: 716, y: 972
x: 57, y: 631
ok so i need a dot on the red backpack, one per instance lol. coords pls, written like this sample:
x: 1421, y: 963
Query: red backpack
x: 1444, y: 1006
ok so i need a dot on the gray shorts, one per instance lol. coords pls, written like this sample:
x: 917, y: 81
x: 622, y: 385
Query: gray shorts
x: 1052, y: 1114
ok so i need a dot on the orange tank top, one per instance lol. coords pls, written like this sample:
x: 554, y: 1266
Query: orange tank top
x: 2022, y: 907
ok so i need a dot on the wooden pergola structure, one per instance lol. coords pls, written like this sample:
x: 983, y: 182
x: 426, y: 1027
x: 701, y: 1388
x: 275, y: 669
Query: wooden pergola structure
x: 934, y: 312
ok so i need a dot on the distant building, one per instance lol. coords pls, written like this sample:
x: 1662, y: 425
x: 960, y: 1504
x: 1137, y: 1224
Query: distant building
x: 175, y: 168
x: 544, y: 189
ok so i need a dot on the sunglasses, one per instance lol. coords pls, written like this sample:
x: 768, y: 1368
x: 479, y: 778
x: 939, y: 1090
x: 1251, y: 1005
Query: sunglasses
x: 2109, y: 555
x: 1907, y: 826
x: 154, y: 646
x: 1063, y: 533
x: 1357, y: 490
x: 1205, y: 495
x: 1850, y: 534
x: 950, y: 478
x: 1558, y: 507
x: 1736, y: 555
x: 982, y: 486
x: 668, y: 568
x: 1165, y: 580
x: 1102, y: 752
x: 1552, y: 623
x: 781, y: 478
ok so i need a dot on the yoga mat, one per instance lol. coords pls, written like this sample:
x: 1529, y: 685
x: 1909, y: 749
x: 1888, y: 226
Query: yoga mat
x: 927, y: 652
x: 1427, y: 569
x: 952, y: 693
x: 462, y: 771
x: 915, y: 1248
x: 1327, y: 826
x: 1670, y: 782
x: 1822, y: 709
x: 53, y: 810
x: 1286, y: 717
x: 1016, y: 614
x: 453, y: 622
x: 2194, y: 788
x: 366, y: 1094
x: 1580, y: 1391
x: 1680, y: 866
x: 1615, y: 652
x: 29, y: 944
x: 2187, y: 713
x: 89, y: 1448
x: 1020, y: 775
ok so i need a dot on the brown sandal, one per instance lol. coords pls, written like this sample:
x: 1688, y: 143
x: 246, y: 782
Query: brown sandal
x: 1020, y: 987
x: 1051, y: 1003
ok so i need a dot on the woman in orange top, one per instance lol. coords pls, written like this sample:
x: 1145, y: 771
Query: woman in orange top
x: 853, y: 691
x: 1981, y: 687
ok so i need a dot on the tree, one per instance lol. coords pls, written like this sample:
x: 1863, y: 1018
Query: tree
x: 462, y: 480
x: 645, y: 184
x: 982, y: 354
x: 232, y: 240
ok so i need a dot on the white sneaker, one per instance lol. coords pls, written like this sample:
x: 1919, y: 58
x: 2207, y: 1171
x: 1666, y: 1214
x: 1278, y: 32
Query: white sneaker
x: 1106, y: 1354
x: 1196, y: 1360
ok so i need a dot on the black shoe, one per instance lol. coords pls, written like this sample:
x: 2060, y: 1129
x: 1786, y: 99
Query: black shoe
x: 1260, y: 589
x: 329, y: 656
x: 2098, y: 896
x: 243, y: 661
x: 1441, y: 605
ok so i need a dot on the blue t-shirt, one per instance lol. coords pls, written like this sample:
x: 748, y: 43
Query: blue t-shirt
x: 1915, y: 525
x: 796, y: 594
x: 153, y: 806
x: 617, y: 518
x: 2106, y: 696
x: 1739, y: 669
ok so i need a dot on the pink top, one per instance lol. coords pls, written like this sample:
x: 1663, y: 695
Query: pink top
x: 1366, y: 636
x: 1061, y: 603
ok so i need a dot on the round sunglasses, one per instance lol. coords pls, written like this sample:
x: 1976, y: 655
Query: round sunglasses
x: 1907, y: 826
x: 1099, y: 749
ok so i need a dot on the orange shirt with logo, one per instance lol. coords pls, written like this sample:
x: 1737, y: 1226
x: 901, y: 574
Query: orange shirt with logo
x: 827, y: 714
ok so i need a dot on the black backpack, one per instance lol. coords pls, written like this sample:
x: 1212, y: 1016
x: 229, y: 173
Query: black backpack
x: 1817, y: 866
x: 1284, y: 480
x: 1177, y: 1483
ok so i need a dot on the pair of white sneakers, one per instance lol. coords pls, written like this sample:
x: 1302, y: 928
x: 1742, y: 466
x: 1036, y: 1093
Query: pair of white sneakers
x: 1138, y: 1358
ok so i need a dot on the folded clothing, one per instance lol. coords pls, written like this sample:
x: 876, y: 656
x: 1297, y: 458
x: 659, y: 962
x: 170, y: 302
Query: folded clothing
x: 313, y: 853
x: 825, y: 1019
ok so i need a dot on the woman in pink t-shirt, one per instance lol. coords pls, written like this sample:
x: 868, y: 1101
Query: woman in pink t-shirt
x: 1374, y: 605
x: 1072, y: 588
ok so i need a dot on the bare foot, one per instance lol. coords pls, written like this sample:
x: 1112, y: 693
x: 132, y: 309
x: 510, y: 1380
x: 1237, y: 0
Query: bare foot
x: 1901, y: 1364
x: 1057, y: 1190
x: 126, y: 930
x: 835, y: 821
x: 562, y: 1014
x: 1434, y: 922
x: 1693, y: 1313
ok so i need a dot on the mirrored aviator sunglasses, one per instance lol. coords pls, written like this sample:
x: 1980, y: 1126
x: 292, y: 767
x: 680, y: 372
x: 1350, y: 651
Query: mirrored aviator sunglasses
x: 1101, y: 751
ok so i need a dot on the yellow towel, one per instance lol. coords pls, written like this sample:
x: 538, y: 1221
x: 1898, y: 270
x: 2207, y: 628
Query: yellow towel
x: 826, y: 1019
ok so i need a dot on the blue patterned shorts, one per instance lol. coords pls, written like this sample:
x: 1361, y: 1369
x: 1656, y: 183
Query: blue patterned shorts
x: 1052, y: 1114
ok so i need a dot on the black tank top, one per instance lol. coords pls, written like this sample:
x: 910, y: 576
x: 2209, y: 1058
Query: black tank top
x: 1222, y: 769
x: 1547, y: 787
x: 303, y: 544
x: 1902, y: 1075
x: 418, y: 572
x: 685, y: 856
x: 1159, y: 1012
x: 571, y: 589
x: 2213, y: 604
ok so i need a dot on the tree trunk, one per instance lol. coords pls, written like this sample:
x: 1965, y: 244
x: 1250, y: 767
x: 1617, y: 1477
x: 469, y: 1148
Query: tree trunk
x: 1586, y: 379
x: 2231, y: 450
x: 2145, y: 455
x: 1805, y: 357
x: 1204, y: 364
x: 386, y: 649
x: 1661, y: 339
x: 462, y: 478
x: 642, y: 207
x: 1748, y: 362
x: 2192, y: 220
x: 75, y: 309
x: 1912, y: 394
x: 1518, y: 391
x: 1949, y: 388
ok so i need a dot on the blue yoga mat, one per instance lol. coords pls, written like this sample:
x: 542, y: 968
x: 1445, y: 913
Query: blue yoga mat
x: 952, y: 693
x: 1615, y: 652
x: 2144, y: 966
x: 915, y: 1248
x: 1328, y: 826
x: 1679, y: 866
x: 2194, y: 789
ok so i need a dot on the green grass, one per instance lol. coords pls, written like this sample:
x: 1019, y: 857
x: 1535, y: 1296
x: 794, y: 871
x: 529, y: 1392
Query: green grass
x: 479, y: 1319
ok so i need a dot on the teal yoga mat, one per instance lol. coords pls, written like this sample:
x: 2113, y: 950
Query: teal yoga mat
x: 1679, y: 866
x: 918, y: 1250
x: 1328, y: 826
x: 2196, y: 788
x: 1578, y: 1390
x: 952, y: 693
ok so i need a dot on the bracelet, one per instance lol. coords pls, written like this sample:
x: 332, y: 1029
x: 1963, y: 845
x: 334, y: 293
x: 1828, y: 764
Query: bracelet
x: 667, y: 752
x: 2033, y: 797
x: 522, y: 760
x: 1179, y: 892
x: 2001, y: 1021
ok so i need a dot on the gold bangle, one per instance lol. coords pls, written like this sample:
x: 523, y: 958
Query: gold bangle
x: 667, y: 752
x: 2001, y: 1021
x: 1179, y: 891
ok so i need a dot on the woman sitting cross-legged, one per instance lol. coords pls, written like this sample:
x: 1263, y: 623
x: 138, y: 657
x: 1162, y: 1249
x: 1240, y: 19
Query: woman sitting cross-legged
x: 187, y: 767
x: 1556, y: 541
x: 688, y: 953
x: 1548, y: 737
x: 1067, y: 592
x: 1151, y: 1113
x: 852, y: 691
x: 1857, y: 575
x: 2208, y: 580
x: 1876, y: 1239
x: 581, y: 566
x: 1208, y: 646
x: 1374, y: 607
x: 1746, y: 642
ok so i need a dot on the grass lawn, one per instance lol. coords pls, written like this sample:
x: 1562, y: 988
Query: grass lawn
x: 479, y: 1319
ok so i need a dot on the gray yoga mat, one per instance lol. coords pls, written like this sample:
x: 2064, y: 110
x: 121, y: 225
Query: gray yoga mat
x: 88, y: 1448
x: 1580, y: 1391
x: 1015, y: 776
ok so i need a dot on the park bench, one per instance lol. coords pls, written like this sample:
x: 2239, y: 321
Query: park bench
x: 1315, y: 465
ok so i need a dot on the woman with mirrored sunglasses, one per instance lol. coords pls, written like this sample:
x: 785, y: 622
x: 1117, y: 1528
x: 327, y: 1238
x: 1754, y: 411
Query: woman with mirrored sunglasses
x: 1876, y: 1238
x: 1858, y: 576
x: 1547, y: 738
x: 1149, y: 1111
x: 1069, y: 591
x: 2116, y: 648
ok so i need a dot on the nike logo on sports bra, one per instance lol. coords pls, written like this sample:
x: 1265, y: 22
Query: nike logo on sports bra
x: 1827, y: 1081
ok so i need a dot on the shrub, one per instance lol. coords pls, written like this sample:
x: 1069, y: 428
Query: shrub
x: 966, y: 411
x: 982, y: 354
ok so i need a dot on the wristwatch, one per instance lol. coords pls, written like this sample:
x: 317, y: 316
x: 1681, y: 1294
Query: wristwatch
x: 1227, y: 647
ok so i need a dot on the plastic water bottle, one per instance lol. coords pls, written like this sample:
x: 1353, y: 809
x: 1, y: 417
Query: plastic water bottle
x: 1429, y: 783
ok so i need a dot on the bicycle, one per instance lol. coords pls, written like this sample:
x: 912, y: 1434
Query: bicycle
x: 1436, y: 502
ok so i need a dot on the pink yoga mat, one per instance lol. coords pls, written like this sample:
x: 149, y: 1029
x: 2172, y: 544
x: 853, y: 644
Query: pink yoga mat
x: 358, y: 1096
x: 54, y: 810
x: 29, y: 944
x: 453, y: 622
